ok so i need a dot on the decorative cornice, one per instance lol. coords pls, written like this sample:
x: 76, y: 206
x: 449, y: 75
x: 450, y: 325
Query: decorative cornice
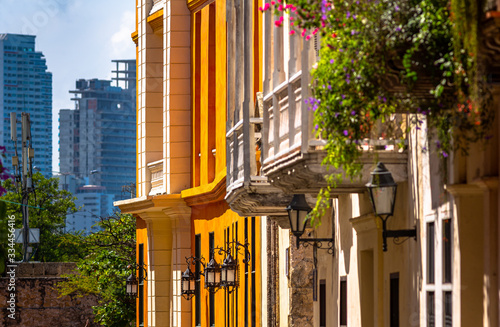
x: 135, y: 37
x: 259, y: 199
x: 156, y: 21
x: 205, y: 194
x: 487, y: 183
x: 364, y: 222
x: 304, y: 172
x: 458, y: 190
x: 151, y: 204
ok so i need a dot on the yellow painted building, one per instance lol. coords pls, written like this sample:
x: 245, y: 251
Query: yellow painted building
x: 181, y: 211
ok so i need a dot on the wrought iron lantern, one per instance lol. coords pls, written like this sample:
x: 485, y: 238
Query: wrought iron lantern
x: 229, y: 271
x: 188, y: 286
x: 382, y: 190
x: 212, y: 275
x: 131, y: 286
x: 216, y: 276
x: 298, y: 210
x: 132, y: 281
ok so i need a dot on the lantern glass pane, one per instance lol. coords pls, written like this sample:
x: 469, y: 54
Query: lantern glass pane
x: 293, y: 219
x: 210, y: 277
x: 129, y: 288
x: 383, y: 198
x: 191, y: 285
x: 302, y: 222
x: 185, y: 285
x: 217, y: 277
x: 134, y: 288
x: 231, y: 275
x: 223, y: 275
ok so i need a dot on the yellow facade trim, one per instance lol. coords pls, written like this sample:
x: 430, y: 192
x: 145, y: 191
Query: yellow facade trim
x: 156, y: 21
x: 149, y: 203
x: 195, y: 5
x: 207, y: 193
x: 135, y: 37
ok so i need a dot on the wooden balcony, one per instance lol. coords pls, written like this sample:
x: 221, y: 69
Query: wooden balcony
x: 248, y: 192
x: 292, y: 155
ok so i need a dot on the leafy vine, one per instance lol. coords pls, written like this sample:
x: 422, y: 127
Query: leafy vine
x: 430, y: 46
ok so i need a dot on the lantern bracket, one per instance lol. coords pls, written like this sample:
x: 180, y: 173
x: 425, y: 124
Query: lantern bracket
x: 191, y: 261
x: 237, y: 246
x: 141, y: 268
x: 139, y: 275
x: 396, y: 234
x: 317, y: 243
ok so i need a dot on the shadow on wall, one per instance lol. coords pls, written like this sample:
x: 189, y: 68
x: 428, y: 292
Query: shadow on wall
x: 345, y: 229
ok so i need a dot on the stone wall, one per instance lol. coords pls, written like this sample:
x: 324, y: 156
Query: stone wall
x: 301, y: 286
x: 37, y: 301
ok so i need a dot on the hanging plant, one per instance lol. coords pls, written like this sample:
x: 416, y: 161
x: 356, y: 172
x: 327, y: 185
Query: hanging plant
x: 379, y: 58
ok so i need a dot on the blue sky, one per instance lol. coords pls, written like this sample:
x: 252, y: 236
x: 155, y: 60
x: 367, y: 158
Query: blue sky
x: 79, y: 38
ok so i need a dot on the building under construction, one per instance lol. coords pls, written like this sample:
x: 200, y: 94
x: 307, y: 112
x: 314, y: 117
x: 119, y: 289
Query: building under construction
x: 97, y: 138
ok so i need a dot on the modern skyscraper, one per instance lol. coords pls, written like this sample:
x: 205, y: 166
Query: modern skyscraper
x: 97, y: 138
x: 26, y: 86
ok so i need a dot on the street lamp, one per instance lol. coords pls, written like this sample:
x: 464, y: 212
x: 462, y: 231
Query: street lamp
x: 382, y: 190
x: 131, y: 286
x: 133, y: 281
x: 216, y: 276
x: 212, y: 276
x: 229, y: 272
x: 188, y: 286
x: 298, y: 211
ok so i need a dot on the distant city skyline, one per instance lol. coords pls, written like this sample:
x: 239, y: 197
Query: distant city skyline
x: 78, y: 38
x: 25, y: 86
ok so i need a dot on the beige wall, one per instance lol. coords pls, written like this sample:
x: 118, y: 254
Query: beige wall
x: 163, y: 113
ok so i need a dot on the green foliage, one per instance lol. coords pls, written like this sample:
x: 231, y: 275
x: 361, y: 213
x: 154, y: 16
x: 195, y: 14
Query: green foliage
x: 48, y: 207
x: 103, y: 270
x: 365, y: 44
x: 4, y: 231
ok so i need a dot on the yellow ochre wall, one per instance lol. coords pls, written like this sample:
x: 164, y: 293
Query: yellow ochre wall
x: 142, y: 237
x: 229, y: 308
x: 208, y: 52
x: 210, y: 212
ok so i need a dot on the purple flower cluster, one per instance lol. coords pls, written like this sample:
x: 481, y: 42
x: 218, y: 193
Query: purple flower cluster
x: 313, y: 102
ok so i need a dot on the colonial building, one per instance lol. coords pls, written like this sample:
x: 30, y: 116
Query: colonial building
x: 183, y: 221
x: 226, y: 145
x: 447, y: 275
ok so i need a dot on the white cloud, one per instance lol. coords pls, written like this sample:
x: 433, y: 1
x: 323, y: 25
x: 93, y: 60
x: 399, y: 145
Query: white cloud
x: 121, y: 39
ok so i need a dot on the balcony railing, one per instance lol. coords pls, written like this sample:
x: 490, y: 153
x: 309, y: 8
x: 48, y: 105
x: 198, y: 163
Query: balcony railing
x: 155, y: 173
x: 292, y: 154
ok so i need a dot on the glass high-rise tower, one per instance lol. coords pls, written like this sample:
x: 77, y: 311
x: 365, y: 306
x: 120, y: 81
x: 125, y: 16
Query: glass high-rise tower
x: 25, y: 86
